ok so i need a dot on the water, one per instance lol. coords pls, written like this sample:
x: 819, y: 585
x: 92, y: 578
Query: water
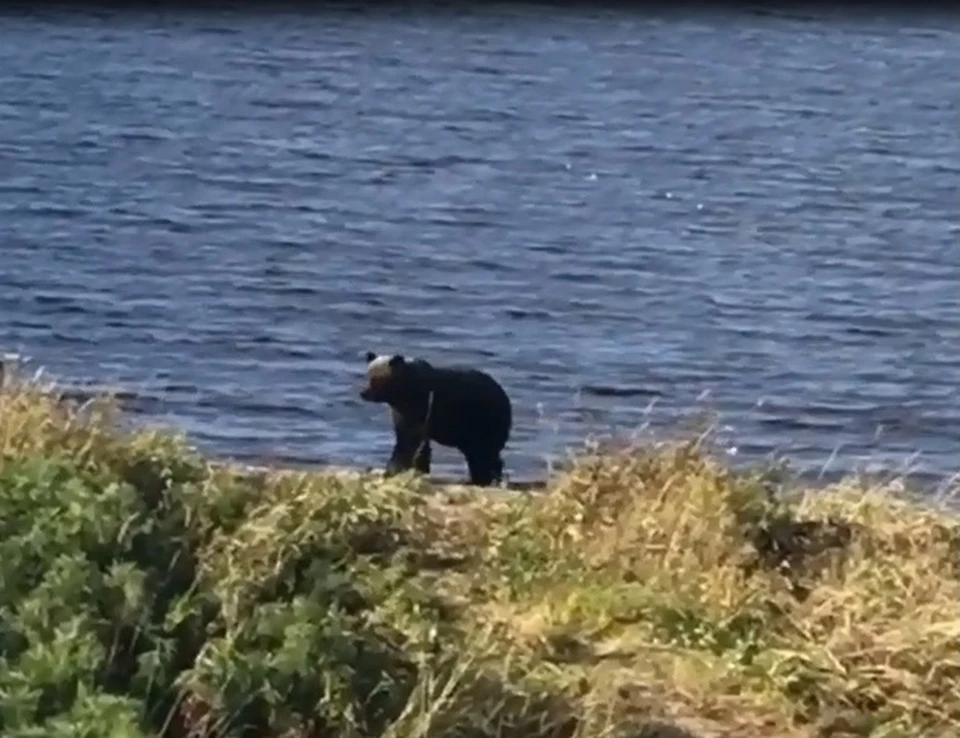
x: 626, y: 218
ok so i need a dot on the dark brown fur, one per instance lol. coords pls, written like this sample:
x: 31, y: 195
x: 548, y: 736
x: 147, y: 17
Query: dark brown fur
x: 469, y: 411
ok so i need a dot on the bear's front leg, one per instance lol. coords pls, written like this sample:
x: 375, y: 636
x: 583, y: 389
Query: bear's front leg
x: 405, y: 456
x: 421, y: 458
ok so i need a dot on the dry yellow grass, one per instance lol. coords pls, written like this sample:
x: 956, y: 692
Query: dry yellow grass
x: 644, y: 584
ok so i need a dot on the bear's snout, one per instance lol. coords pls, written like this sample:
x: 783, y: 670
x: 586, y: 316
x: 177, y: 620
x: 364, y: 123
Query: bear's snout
x: 372, y: 393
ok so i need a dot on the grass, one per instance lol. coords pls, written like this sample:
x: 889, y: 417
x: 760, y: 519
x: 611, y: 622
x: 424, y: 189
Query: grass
x: 648, y: 591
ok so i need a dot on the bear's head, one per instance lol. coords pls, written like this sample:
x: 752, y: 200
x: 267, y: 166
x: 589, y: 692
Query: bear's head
x: 389, y: 378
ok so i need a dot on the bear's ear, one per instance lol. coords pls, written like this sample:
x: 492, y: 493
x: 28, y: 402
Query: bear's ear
x: 396, y: 361
x: 370, y: 356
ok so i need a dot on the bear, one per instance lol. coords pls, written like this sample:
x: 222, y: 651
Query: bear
x: 458, y: 407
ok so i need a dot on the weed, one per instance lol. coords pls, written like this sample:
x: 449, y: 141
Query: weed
x: 146, y: 591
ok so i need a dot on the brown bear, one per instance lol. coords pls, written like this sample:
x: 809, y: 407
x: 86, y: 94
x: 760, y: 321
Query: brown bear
x: 459, y: 407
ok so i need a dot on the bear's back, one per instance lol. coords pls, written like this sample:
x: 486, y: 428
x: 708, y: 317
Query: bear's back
x: 470, y: 407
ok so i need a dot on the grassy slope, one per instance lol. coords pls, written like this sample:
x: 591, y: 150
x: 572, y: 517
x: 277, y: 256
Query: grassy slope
x: 145, y: 592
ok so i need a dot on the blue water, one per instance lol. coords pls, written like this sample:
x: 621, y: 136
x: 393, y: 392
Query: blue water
x: 625, y: 218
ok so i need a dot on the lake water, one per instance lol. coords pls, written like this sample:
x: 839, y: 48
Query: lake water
x: 626, y: 218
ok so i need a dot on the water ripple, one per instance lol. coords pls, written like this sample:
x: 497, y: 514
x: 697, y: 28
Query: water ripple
x: 626, y: 218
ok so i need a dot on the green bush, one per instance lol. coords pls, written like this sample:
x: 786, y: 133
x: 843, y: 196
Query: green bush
x: 145, y: 591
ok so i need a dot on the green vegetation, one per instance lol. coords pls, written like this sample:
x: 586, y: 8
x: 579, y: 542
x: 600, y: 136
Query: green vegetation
x: 147, y: 592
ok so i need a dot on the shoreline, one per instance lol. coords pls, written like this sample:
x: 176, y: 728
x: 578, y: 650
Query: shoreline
x: 940, y: 490
x: 927, y: 484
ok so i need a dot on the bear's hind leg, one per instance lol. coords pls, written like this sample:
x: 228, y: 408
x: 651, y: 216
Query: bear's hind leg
x: 485, y: 467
